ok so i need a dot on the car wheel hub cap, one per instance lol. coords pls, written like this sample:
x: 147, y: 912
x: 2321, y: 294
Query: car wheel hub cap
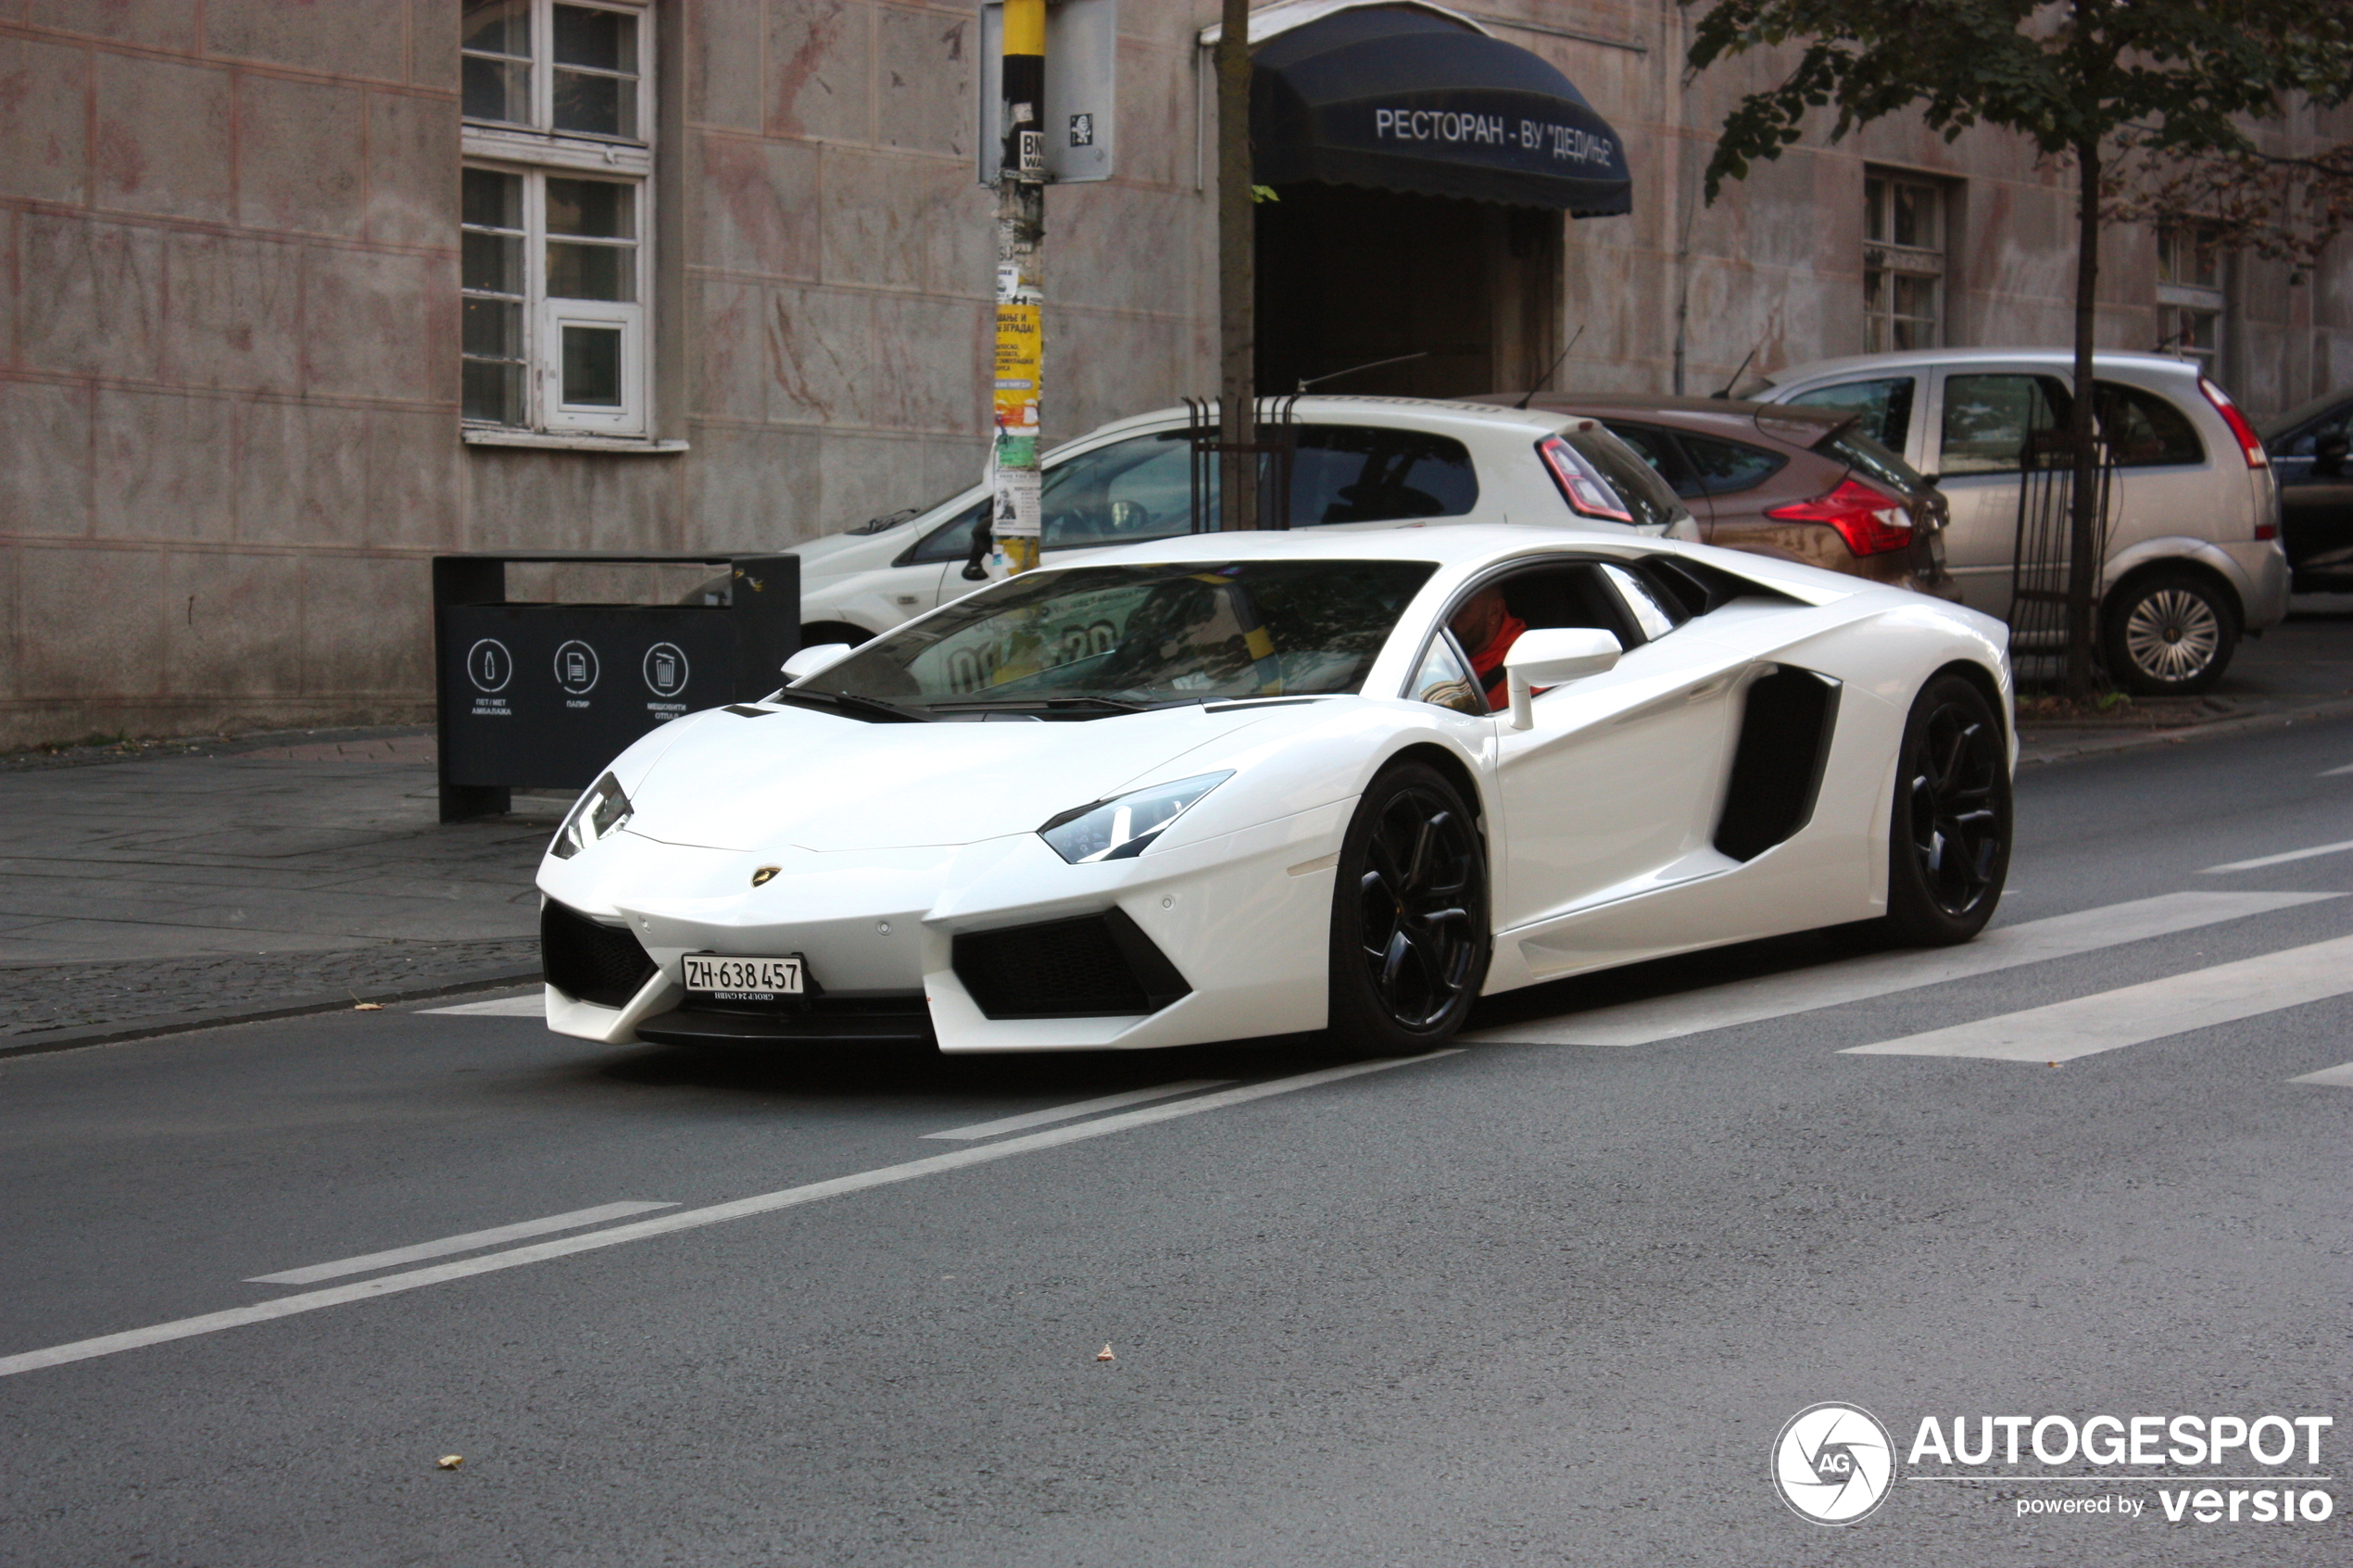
x: 2172, y: 635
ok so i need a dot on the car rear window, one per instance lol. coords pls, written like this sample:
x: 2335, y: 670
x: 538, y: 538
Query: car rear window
x: 1646, y: 495
x: 1885, y: 404
x: 1870, y: 459
x: 1368, y: 473
x: 1727, y: 468
x: 2143, y: 430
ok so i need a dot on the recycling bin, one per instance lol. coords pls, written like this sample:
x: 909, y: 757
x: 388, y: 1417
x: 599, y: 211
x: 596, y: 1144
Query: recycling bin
x: 537, y: 695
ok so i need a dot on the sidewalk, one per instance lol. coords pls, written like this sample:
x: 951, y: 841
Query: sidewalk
x: 2299, y: 670
x: 228, y: 877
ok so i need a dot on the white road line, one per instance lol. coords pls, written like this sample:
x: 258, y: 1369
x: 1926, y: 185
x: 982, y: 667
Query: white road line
x: 2262, y: 860
x: 2335, y: 1077
x: 1854, y: 980
x: 689, y: 1218
x: 2339, y: 773
x: 533, y: 1006
x: 2174, y: 1005
x: 469, y: 1242
x: 1028, y: 1119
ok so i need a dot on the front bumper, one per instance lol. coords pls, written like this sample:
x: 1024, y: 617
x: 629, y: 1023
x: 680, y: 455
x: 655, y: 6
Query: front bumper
x: 1243, y: 920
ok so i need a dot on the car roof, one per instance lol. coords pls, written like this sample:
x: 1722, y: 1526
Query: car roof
x: 1910, y: 358
x: 1418, y: 413
x: 1665, y: 402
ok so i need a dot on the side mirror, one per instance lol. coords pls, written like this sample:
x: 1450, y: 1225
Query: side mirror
x: 1552, y: 656
x: 808, y: 662
x: 2329, y: 453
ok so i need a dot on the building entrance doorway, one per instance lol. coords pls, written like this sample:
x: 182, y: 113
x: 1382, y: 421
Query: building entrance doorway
x: 1347, y: 275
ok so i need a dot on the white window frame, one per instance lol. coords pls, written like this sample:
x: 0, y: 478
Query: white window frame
x: 535, y: 152
x: 1893, y: 260
x: 2180, y: 305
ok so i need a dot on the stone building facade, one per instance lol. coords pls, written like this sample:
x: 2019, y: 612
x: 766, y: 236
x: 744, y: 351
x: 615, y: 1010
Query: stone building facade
x: 718, y: 278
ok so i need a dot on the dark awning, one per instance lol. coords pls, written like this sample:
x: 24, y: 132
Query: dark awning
x: 1405, y: 99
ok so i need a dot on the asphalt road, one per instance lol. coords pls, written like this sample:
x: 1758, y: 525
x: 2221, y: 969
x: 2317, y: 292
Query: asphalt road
x: 1528, y: 1302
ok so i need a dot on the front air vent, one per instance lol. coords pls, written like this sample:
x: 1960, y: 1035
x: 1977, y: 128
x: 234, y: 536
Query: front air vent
x: 1096, y: 966
x: 594, y: 962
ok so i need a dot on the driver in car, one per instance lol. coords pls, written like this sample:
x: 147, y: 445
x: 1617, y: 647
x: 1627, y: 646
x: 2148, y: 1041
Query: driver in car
x: 1487, y: 629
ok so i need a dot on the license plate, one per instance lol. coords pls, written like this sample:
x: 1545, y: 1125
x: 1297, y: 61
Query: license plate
x: 742, y: 980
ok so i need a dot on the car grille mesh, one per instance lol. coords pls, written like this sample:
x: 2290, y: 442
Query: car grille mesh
x: 1094, y: 966
x: 595, y: 963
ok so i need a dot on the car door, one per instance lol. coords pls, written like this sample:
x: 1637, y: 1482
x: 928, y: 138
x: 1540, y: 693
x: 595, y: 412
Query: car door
x: 1614, y: 790
x: 2316, y: 498
x: 1983, y: 416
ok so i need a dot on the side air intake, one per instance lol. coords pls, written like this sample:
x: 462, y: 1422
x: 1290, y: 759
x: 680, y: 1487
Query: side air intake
x: 594, y: 962
x: 1777, y: 771
x: 1096, y: 966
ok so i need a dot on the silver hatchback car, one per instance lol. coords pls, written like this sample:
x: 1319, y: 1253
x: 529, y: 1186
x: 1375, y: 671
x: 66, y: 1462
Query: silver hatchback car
x: 2194, y: 551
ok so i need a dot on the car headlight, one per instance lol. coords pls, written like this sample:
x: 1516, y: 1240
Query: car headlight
x: 1121, y: 827
x: 600, y: 814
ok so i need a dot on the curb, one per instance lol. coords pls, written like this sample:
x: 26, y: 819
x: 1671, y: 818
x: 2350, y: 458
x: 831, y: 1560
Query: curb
x: 181, y: 1023
x: 2075, y: 744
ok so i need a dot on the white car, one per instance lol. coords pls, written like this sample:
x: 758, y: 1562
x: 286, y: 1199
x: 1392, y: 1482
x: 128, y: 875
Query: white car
x: 1236, y: 785
x: 1366, y: 462
x: 2194, y: 553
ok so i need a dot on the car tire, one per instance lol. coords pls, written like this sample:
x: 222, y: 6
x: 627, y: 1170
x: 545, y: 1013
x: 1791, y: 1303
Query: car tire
x: 1409, y: 932
x: 1948, y: 842
x: 817, y: 634
x: 2168, y: 634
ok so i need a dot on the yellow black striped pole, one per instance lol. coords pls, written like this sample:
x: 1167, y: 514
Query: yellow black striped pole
x: 1021, y: 228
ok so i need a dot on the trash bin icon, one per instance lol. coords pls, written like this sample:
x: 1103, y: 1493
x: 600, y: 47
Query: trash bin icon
x: 665, y: 671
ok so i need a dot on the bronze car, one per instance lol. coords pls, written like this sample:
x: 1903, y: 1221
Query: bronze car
x: 1802, y: 484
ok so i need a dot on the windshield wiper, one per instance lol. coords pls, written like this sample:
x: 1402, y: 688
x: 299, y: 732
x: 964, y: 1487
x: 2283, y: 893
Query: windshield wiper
x: 846, y: 702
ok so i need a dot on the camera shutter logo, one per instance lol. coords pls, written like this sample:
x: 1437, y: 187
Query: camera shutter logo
x: 1834, y: 1463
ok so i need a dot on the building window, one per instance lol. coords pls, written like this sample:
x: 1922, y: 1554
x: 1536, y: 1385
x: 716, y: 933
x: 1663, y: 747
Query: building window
x: 573, y: 70
x: 1903, y: 263
x: 2189, y: 295
x: 555, y: 210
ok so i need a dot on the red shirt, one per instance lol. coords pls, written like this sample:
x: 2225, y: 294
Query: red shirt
x: 1489, y: 661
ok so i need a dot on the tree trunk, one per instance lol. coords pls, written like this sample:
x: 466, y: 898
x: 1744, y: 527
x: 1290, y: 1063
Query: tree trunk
x: 2082, y: 524
x: 1237, y: 277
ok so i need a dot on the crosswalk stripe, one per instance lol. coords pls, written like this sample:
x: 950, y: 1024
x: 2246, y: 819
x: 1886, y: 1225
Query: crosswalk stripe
x: 533, y: 1006
x: 1851, y: 980
x: 2133, y: 1014
x: 2280, y: 859
x: 2336, y: 1077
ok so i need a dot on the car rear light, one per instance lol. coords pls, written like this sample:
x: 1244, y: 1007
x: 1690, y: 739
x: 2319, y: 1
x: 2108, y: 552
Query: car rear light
x: 2250, y: 444
x: 1586, y: 491
x: 1872, y: 523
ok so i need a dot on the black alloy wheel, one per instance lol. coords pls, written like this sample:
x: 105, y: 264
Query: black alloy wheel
x: 1949, y: 847
x: 1409, y: 915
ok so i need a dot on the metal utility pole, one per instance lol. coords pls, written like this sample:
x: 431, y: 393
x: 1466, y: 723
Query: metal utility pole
x: 1237, y: 276
x: 1021, y: 231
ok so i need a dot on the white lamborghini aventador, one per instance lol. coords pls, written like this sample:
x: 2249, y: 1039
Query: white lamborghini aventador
x: 1227, y: 786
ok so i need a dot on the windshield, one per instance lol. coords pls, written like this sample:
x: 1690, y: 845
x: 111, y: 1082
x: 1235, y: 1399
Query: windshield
x: 1121, y: 636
